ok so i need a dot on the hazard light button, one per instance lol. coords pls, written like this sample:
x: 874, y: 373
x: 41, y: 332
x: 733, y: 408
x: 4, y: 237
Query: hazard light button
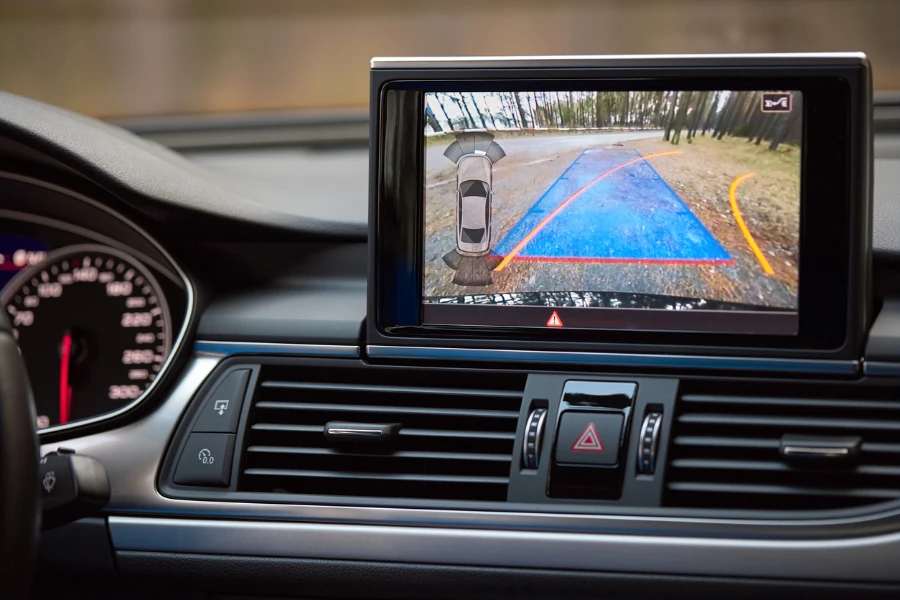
x: 589, y: 438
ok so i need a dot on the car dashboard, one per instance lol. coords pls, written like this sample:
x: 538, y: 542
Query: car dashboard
x: 235, y: 334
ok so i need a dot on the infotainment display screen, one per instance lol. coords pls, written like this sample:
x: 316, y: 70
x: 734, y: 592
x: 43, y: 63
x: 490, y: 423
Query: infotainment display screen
x: 642, y: 210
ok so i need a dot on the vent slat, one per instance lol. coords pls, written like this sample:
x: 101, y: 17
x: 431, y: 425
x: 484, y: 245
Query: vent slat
x: 481, y: 435
x: 783, y: 490
x: 454, y: 442
x: 799, y: 402
x: 484, y: 435
x: 800, y: 422
x: 725, y: 442
x: 288, y: 427
x: 422, y: 477
x: 726, y: 451
x: 881, y: 448
x: 504, y: 458
x: 388, y: 389
x: 750, y: 465
x: 398, y: 410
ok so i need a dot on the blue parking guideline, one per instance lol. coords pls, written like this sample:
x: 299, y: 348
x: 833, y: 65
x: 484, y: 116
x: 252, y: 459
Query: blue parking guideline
x: 631, y: 215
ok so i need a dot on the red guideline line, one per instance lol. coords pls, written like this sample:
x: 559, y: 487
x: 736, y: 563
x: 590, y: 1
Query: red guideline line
x: 537, y: 228
x: 628, y: 261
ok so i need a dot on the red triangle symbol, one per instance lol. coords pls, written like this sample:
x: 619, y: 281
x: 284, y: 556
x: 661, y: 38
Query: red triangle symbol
x: 588, y: 441
x: 554, y: 320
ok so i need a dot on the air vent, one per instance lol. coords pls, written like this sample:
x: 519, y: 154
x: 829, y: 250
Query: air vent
x: 454, y: 440
x: 761, y: 453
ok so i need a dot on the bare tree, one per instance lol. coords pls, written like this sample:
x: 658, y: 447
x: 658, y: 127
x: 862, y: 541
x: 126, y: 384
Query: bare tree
x: 444, y: 110
x: 432, y: 120
x: 477, y: 109
x: 531, y: 110
x: 684, y: 102
x: 519, y: 108
x: 711, y: 114
x: 670, y: 117
x: 697, y: 115
x: 724, y: 122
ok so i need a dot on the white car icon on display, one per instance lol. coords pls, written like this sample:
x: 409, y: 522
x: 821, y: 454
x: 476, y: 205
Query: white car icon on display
x: 475, y: 154
x: 473, y: 205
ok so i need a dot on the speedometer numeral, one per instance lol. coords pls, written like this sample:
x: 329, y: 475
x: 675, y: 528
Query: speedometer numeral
x: 119, y: 288
x: 137, y: 319
x: 23, y: 318
x: 124, y: 392
x: 52, y: 289
x: 138, y: 357
x: 138, y: 374
x: 135, y: 302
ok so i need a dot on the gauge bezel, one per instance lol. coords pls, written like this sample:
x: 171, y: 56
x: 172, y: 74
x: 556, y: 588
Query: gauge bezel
x: 190, y: 302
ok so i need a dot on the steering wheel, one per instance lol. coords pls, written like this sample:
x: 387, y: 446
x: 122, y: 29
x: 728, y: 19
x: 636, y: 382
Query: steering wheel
x: 20, y: 501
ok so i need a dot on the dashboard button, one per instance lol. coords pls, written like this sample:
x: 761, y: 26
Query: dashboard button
x: 589, y: 438
x: 222, y: 408
x: 206, y: 460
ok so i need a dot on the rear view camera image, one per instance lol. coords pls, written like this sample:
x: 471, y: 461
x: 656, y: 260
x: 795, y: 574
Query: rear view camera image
x: 677, y: 200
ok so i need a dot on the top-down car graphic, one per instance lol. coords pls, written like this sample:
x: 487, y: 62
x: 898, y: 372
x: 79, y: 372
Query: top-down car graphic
x: 473, y: 208
x: 474, y: 154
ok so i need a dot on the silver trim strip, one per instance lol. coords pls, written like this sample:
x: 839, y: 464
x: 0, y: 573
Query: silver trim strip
x: 888, y: 369
x: 809, y: 451
x: 212, y: 348
x: 639, y: 60
x: 188, y: 287
x: 347, y: 432
x: 733, y: 363
x: 860, y: 559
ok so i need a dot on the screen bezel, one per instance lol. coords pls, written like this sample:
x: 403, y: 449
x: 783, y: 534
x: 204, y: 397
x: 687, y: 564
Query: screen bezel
x: 831, y: 253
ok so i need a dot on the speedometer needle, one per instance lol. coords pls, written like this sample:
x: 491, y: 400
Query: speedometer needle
x: 65, y: 390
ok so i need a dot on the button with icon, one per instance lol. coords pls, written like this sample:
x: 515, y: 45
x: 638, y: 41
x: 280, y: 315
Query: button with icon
x: 206, y: 460
x: 222, y: 408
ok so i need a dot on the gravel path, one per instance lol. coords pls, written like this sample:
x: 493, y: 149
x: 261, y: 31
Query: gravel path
x: 533, y: 164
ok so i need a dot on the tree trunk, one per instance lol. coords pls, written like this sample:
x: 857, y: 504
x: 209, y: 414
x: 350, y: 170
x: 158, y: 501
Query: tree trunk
x: 534, y: 122
x: 765, y: 131
x: 461, y: 101
x: 520, y: 109
x: 510, y: 107
x: 681, y: 116
x: 657, y: 119
x: 432, y: 120
x: 478, y: 111
x: 697, y: 116
x: 724, y: 121
x: 444, y: 110
x: 670, y: 116
x: 710, y: 115
x: 785, y: 124
x: 597, y: 116
x: 752, y: 109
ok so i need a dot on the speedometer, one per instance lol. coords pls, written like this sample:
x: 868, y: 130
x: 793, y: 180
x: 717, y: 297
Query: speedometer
x: 93, y: 328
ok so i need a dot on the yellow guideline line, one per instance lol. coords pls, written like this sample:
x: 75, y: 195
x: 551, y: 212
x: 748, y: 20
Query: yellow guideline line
x: 537, y: 228
x: 740, y: 221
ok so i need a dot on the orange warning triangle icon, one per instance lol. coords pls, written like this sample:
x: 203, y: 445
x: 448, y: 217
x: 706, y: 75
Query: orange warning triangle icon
x: 588, y: 441
x: 554, y: 320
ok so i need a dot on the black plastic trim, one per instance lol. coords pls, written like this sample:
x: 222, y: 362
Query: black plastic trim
x: 341, y: 578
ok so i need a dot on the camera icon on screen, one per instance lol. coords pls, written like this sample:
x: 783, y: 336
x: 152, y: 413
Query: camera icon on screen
x: 776, y: 102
